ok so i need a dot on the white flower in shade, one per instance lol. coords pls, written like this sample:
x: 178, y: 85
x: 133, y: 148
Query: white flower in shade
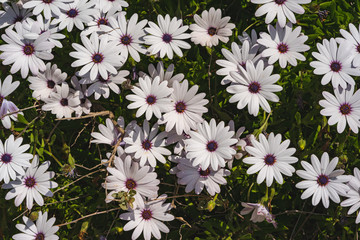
x: 127, y: 175
x: 44, y: 83
x: 97, y: 57
x: 235, y: 60
x: 42, y: 229
x: 271, y: 157
x: 147, y: 145
x: 149, y: 219
x: 36, y: 28
x: 342, y: 108
x: 210, y: 145
x: 284, y: 44
x: 63, y: 102
x: 173, y: 138
x: 254, y: 86
x: 210, y: 28
x: 23, y: 53
x: 283, y: 9
x: 32, y: 185
x: 352, y: 38
x: 108, y: 5
x: 237, y: 146
x: 13, y: 158
x: 13, y: 13
x: 334, y: 63
x: 197, y: 177
x: 259, y: 213
x: 353, y: 195
x: 254, y: 45
x: 164, y: 76
x: 151, y: 98
x: 127, y: 35
x: 187, y: 108
x: 101, y: 87
x: 77, y: 12
x: 6, y: 106
x: 322, y: 181
x: 48, y: 7
x: 167, y: 37
x: 85, y: 103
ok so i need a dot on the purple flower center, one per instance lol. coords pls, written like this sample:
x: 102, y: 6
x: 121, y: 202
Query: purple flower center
x: 254, y: 87
x: 18, y: 19
x: 212, y: 31
x: 211, y: 146
x: 280, y: 2
x: 64, y: 102
x: 358, y: 48
x: 269, y: 159
x: 40, y: 236
x: 30, y: 182
x: 243, y: 64
x: 151, y: 99
x: 335, y: 66
x: 47, y: 1
x: 323, y: 180
x: 146, y: 214
x: 180, y: 107
x: 345, y: 109
x: 130, y: 184
x: 50, y: 84
x: 72, y: 13
x: 146, y: 144
x: 97, y: 58
x: 126, y: 40
x: 167, y: 38
x: 204, y: 173
x: 82, y: 101
x: 283, y: 48
x: 102, y: 21
x: 28, y: 49
x: 101, y: 79
x: 1, y: 100
x: 6, y: 158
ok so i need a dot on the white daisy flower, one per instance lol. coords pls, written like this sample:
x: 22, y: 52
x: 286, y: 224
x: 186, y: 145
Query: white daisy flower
x: 99, y: 56
x: 284, y: 44
x: 322, y: 181
x: 254, y: 86
x: 187, y: 108
x: 151, y: 98
x: 6, y: 106
x: 101, y: 87
x: 147, y: 145
x: 13, y: 158
x: 44, y: 83
x: 210, y: 28
x: 23, y: 53
x: 42, y: 229
x: 107, y: 5
x: 334, y: 63
x: 178, y: 140
x: 127, y: 175
x: 85, y: 103
x: 127, y: 35
x: 342, y: 108
x: 32, y: 185
x: 167, y: 37
x: 63, y: 102
x: 148, y: 219
x: 259, y: 213
x: 353, y: 195
x: 352, y: 38
x: 77, y: 12
x: 271, y: 157
x: 283, y: 9
x: 254, y: 45
x: 48, y: 7
x: 210, y: 145
x: 13, y: 13
x: 164, y: 76
x: 197, y: 177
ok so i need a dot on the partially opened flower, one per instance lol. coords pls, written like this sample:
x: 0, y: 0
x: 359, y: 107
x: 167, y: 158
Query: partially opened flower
x: 353, y: 195
x: 42, y: 229
x: 322, y: 180
x: 271, y: 158
x: 210, y: 28
x: 259, y: 213
x: 148, y: 219
x: 165, y: 75
x: 6, y: 106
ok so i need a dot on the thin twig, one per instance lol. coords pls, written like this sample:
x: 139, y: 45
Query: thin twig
x: 112, y: 224
x: 85, y: 125
x: 92, y: 114
x: 20, y: 110
x: 51, y: 132
x: 302, y: 225
x: 21, y: 214
x: 27, y: 126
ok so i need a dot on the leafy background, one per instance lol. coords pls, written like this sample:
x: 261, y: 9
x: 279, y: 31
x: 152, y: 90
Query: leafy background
x: 296, y: 116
